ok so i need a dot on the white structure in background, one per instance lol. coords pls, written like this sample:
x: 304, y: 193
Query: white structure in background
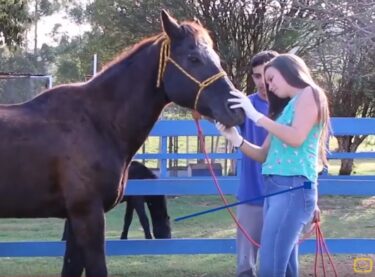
x: 21, y: 87
x: 94, y: 64
x: 11, y: 75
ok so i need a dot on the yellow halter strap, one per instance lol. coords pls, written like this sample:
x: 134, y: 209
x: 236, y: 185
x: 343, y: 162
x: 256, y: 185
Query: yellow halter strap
x: 165, y: 57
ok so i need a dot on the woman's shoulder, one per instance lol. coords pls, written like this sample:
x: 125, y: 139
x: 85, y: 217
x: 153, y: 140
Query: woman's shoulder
x: 307, y: 92
x: 306, y: 95
x: 306, y: 103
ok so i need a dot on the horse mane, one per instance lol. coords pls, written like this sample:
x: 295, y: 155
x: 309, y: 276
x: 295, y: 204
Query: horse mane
x: 132, y: 50
x: 191, y: 28
x: 197, y: 31
x: 188, y: 27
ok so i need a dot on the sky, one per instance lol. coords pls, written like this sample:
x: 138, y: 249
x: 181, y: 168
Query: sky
x: 46, y: 25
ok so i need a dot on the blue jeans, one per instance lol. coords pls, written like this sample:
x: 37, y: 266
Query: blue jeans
x: 285, y: 215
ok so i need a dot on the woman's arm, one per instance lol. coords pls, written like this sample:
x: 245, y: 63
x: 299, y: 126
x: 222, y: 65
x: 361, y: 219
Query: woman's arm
x: 306, y: 115
x: 258, y: 153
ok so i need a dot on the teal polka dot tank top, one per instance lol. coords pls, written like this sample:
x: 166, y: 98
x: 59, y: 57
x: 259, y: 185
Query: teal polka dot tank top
x: 286, y: 160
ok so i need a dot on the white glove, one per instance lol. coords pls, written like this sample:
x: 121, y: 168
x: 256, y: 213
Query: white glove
x: 242, y: 101
x: 230, y: 134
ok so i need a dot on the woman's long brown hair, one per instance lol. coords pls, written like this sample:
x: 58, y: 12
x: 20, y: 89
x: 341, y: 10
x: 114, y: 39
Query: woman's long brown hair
x: 295, y: 72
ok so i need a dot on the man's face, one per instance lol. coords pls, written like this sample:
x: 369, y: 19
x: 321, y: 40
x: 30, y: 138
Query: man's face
x: 258, y: 78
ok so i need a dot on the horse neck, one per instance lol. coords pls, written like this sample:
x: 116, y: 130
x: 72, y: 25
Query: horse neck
x: 124, y: 100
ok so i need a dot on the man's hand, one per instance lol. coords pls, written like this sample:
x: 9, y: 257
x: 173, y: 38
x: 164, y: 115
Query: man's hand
x: 242, y: 101
x: 230, y: 134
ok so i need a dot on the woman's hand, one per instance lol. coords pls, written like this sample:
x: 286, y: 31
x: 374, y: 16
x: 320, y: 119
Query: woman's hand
x: 317, y: 214
x: 230, y: 134
x: 242, y: 101
x: 308, y: 228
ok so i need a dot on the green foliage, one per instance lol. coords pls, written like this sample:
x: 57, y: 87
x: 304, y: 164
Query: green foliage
x: 119, y: 24
x: 345, y: 67
x: 239, y: 28
x: 68, y: 71
x: 243, y: 28
x: 47, y: 54
x: 77, y: 13
x: 13, y: 20
x: 116, y: 25
x: 47, y: 7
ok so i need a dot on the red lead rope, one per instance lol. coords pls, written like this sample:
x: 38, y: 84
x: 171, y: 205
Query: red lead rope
x: 321, y: 249
x: 203, y: 149
x: 321, y: 246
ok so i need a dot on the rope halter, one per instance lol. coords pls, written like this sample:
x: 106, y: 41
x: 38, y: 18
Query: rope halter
x: 165, y: 57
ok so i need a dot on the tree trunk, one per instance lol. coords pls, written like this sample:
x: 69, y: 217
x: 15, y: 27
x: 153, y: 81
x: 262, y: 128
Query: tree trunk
x: 346, y: 167
x: 36, y: 29
x: 348, y: 144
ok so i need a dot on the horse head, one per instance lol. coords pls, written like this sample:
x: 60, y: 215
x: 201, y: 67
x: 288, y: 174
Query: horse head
x: 191, y: 73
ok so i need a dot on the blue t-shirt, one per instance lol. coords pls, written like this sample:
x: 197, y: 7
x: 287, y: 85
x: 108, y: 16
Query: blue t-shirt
x: 251, y: 179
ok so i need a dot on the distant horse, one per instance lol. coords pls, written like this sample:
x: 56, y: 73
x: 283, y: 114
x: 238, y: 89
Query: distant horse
x: 157, y: 206
x: 65, y: 153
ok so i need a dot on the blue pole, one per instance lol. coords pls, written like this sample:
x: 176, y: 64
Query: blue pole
x: 306, y: 185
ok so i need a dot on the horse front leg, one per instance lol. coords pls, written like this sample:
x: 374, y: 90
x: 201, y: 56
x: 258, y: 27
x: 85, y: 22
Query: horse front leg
x: 128, y: 217
x: 73, y: 258
x: 87, y: 225
x: 66, y: 230
x: 140, y: 209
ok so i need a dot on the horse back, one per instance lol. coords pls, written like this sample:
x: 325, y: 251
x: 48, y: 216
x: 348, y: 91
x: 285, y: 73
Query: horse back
x: 49, y: 149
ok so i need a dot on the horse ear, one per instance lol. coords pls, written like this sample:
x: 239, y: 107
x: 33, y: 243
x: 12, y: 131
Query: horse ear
x: 170, y: 25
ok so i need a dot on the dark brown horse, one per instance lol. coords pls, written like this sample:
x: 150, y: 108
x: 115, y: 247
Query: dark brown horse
x: 157, y: 206
x: 65, y: 153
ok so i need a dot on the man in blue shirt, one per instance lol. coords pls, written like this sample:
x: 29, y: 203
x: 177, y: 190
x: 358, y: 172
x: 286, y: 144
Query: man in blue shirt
x: 250, y: 215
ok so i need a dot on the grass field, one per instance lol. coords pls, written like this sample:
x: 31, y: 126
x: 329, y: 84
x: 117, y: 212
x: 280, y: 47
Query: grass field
x: 342, y: 217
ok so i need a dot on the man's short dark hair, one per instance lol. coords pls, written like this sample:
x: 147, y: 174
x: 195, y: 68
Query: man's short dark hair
x: 262, y: 58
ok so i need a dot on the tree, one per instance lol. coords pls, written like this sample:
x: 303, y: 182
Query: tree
x: 13, y: 17
x: 346, y: 65
x: 72, y: 60
x: 242, y: 28
x: 115, y: 26
x: 118, y: 24
x: 340, y: 31
x: 42, y: 8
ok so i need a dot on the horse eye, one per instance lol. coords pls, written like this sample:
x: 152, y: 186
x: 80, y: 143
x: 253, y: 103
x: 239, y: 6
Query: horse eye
x: 193, y: 59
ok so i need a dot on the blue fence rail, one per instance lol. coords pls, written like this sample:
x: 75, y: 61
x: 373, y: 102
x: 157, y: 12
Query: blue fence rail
x: 328, y: 185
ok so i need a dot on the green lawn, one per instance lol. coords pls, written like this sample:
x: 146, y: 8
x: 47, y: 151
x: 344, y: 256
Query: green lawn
x: 342, y: 217
x: 361, y: 167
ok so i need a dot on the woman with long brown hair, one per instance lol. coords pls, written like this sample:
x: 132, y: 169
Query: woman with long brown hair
x: 298, y: 129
